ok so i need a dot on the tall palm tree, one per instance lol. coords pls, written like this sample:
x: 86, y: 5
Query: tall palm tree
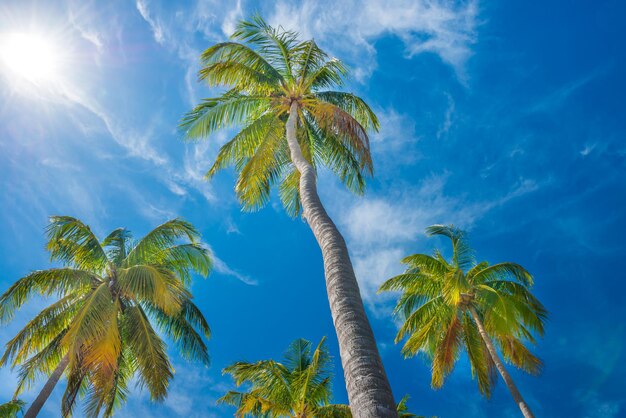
x: 450, y: 305
x: 114, y: 296
x: 291, y: 126
x: 299, y: 387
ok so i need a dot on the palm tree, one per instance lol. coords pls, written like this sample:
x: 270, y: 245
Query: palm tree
x: 12, y: 409
x: 114, y: 296
x: 403, y: 410
x: 291, y: 126
x: 448, y: 305
x: 299, y: 387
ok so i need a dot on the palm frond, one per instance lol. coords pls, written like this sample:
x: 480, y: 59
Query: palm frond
x: 504, y: 271
x: 41, y: 330
x: 261, y: 171
x: 517, y: 354
x: 244, y: 145
x: 181, y: 331
x: 157, y: 285
x: 59, y: 281
x: 333, y: 411
x: 116, y: 245
x: 462, y: 253
x: 483, y: 368
x: 72, y: 242
x: 447, y: 352
x: 42, y: 363
x: 160, y: 238
x: 149, y: 353
x: 184, y: 259
x: 274, y: 44
x: 222, y: 112
x: 240, y: 67
x: 352, y: 105
x: 92, y: 322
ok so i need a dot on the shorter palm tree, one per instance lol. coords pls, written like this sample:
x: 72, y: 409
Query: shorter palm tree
x: 300, y: 387
x: 450, y: 305
x: 101, y: 332
x: 12, y: 409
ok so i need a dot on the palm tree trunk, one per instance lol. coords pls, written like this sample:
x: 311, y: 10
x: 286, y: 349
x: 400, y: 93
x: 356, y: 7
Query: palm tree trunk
x: 368, y: 389
x: 43, y: 396
x: 517, y: 396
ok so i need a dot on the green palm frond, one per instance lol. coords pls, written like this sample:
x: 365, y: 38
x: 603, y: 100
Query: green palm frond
x: 509, y: 271
x: 59, y: 281
x: 40, y: 364
x: 426, y: 264
x: 116, y: 245
x: 517, y: 354
x: 157, y: 285
x: 149, y: 352
x: 483, y: 368
x: 277, y: 44
x: 244, y: 145
x: 76, y: 378
x: 352, y: 105
x: 72, y: 242
x: 329, y: 75
x: 182, y: 332
x: 262, y: 170
x: 41, y: 330
x: 222, y: 112
x: 239, y: 66
x: 462, y: 253
x: 160, y: 238
x: 92, y: 322
x: 333, y: 411
x: 185, y: 259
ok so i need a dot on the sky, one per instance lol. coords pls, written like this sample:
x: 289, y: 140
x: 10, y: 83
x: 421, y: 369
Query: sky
x: 504, y: 118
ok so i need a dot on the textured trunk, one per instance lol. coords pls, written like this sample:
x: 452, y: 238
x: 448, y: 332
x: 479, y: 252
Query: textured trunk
x: 500, y: 366
x: 368, y: 389
x: 47, y: 389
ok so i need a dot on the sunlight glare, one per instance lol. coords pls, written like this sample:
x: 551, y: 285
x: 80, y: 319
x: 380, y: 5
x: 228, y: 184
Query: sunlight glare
x: 30, y: 56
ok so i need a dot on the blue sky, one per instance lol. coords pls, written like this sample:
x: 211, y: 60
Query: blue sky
x: 504, y: 118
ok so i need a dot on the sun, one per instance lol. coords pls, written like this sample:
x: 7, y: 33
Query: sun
x: 30, y: 56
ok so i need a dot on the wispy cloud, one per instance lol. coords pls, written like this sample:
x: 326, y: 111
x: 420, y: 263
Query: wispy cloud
x: 223, y: 268
x: 447, y: 29
x: 155, y: 24
x: 381, y: 229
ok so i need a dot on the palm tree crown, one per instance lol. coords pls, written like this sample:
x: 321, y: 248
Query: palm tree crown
x: 114, y: 296
x: 266, y: 70
x: 439, y: 298
x: 299, y: 387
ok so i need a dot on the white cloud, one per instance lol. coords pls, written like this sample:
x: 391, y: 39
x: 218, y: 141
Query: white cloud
x: 223, y: 268
x: 155, y: 24
x: 442, y: 27
x: 396, y: 143
x: 588, y: 149
x: 382, y: 229
x: 448, y: 116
